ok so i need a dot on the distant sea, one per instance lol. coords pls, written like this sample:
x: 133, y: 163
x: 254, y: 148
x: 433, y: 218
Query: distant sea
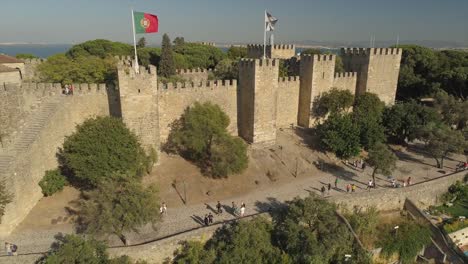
x: 46, y: 50
x: 40, y: 50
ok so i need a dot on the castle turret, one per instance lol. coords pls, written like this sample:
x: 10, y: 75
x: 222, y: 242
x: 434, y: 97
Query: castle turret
x: 316, y: 76
x: 258, y: 88
x: 277, y: 51
x: 139, y: 103
x: 377, y: 70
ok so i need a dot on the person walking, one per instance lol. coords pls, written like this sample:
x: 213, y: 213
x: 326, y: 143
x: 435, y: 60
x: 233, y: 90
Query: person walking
x: 242, y: 210
x: 329, y: 188
x: 369, y: 185
x: 8, y: 249
x: 14, y: 249
x: 348, y: 187
x: 409, y: 181
x: 336, y: 182
x: 210, y: 218
x: 206, y: 220
x: 163, y: 209
x: 218, y: 208
x: 353, y: 187
x: 323, y: 190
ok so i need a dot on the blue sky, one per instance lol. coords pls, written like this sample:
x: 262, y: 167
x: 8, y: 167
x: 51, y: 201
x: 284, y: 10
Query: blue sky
x: 72, y: 21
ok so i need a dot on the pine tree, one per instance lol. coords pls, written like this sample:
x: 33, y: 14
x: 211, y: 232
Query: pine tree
x: 141, y: 43
x: 166, y: 65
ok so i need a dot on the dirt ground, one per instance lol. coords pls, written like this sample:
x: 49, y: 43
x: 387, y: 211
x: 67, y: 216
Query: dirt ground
x: 290, y: 159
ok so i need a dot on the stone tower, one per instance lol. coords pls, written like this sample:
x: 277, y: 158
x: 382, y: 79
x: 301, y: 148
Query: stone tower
x: 278, y: 51
x: 258, y: 90
x: 377, y: 70
x: 139, y: 103
x: 316, y: 76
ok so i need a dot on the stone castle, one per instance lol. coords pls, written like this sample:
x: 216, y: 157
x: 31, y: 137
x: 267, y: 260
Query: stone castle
x: 35, y: 117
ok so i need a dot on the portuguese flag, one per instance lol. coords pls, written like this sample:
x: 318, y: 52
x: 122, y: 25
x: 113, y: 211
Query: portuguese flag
x: 145, y: 23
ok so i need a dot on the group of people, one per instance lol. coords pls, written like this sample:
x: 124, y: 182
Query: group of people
x: 238, y: 212
x: 396, y: 184
x: 68, y: 89
x: 360, y: 164
x: 11, y: 249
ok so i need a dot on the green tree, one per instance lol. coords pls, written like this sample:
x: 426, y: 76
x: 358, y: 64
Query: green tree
x: 5, y: 198
x: 196, y: 55
x: 119, y: 206
x: 166, y: 64
x: 340, y: 135
x: 310, y: 232
x: 311, y: 51
x: 382, y: 159
x: 441, y: 141
x: 201, y: 135
x: 367, y: 113
x: 226, y: 70
x: 26, y: 56
x: 403, y: 120
x: 101, y: 147
x: 407, y: 241
x: 454, y: 111
x: 141, y: 43
x: 365, y: 222
x: 193, y: 252
x: 99, y: 48
x: 333, y: 102
x: 236, y: 53
x: 52, y: 182
x: 75, y: 249
x: 178, y: 42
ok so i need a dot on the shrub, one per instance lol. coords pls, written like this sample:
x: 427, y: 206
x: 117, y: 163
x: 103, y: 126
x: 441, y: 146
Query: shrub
x: 52, y: 182
x: 407, y: 241
x: 228, y: 156
x: 100, y: 148
x: 5, y: 198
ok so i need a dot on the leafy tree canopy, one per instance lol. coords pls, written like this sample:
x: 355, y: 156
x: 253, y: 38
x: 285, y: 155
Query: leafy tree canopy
x: 166, y: 63
x: 340, y: 134
x: 441, y: 141
x: 453, y: 110
x: 403, y: 120
x: 100, y: 48
x: 424, y: 71
x: 382, y: 159
x: 227, y: 69
x: 201, y: 135
x: 236, y: 53
x: 179, y: 41
x: 5, y: 198
x: 52, y: 182
x: 62, y: 69
x: 101, y: 147
x: 26, y: 56
x: 200, y: 56
x: 367, y: 113
x: 334, y: 102
x: 119, y: 206
x: 141, y: 43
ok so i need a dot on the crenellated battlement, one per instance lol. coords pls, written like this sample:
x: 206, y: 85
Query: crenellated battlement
x: 123, y: 58
x: 284, y: 46
x: 128, y: 70
x: 56, y: 88
x: 345, y: 75
x: 370, y: 51
x: 289, y: 79
x: 33, y: 61
x: 193, y: 86
x: 318, y: 57
x: 196, y: 70
x: 250, y: 63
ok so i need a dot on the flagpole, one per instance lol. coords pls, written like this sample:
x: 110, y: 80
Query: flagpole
x: 137, y: 68
x: 264, y: 35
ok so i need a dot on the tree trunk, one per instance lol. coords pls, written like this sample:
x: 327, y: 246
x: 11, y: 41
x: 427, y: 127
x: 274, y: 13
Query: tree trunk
x: 438, y: 163
x: 123, y: 239
x: 373, y: 177
x: 442, y: 162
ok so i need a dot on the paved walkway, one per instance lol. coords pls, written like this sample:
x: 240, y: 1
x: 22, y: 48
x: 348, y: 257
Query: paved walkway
x: 188, y: 217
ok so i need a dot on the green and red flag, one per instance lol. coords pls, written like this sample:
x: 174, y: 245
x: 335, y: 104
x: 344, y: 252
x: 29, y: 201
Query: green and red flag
x: 145, y: 22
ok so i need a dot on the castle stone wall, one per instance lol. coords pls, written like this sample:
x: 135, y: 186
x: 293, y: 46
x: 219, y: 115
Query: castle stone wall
x: 13, y: 77
x: 30, y: 69
x: 194, y: 75
x: 11, y: 105
x: 280, y: 51
x: 259, y: 88
x: 175, y: 98
x: 386, y: 199
x: 139, y: 103
x: 288, y: 101
x: 345, y: 81
x: 30, y: 165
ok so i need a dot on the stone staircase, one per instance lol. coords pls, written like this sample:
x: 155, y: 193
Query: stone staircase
x: 28, y: 133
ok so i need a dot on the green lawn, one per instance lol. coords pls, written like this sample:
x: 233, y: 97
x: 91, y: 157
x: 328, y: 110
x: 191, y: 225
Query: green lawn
x: 459, y: 208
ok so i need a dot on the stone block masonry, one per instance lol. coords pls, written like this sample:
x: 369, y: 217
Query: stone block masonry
x: 288, y: 101
x: 280, y: 51
x: 194, y: 75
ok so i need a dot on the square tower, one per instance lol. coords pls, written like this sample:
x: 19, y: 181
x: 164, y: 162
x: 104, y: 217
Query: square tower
x: 139, y: 103
x: 258, y: 92
x: 317, y: 74
x: 377, y: 70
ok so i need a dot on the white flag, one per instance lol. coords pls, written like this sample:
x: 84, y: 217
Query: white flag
x: 270, y: 22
